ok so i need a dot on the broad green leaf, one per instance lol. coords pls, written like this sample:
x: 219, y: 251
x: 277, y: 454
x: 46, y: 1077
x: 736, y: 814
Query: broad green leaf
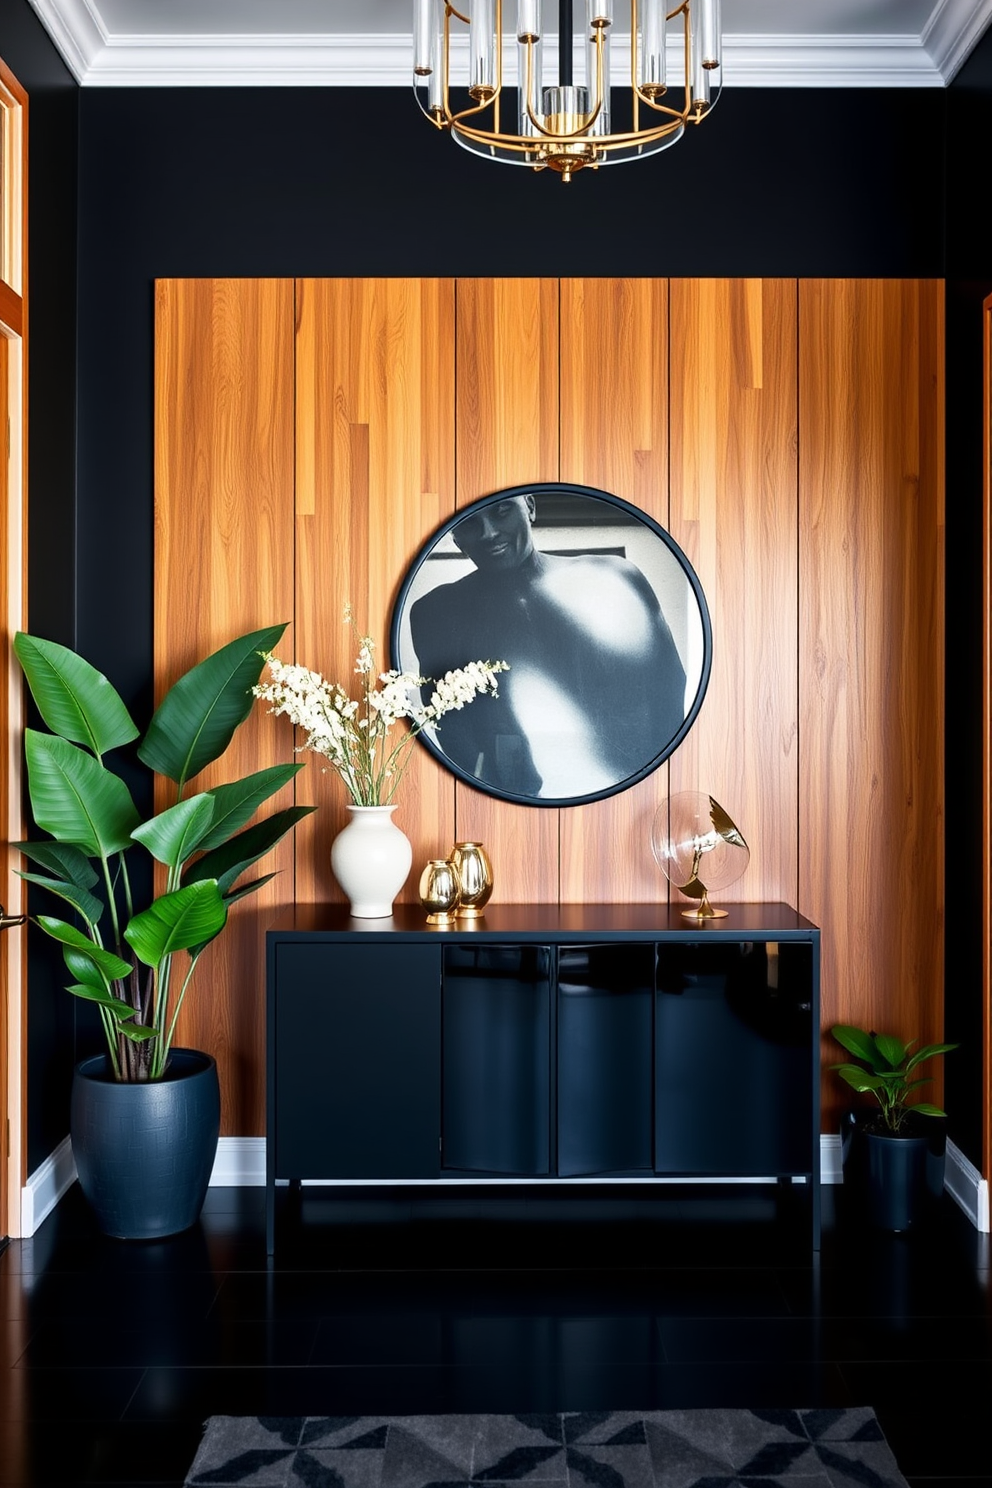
x: 176, y: 833
x: 892, y: 1050
x: 75, y: 799
x: 925, y: 1109
x: 236, y: 804
x: 857, y: 1042
x: 230, y: 898
x: 858, y: 1078
x: 243, y: 890
x: 227, y: 862
x: 103, y: 997
x: 930, y: 1051
x: 137, y: 1032
x: 82, y: 968
x: 75, y: 700
x: 176, y: 921
x: 112, y: 966
x: 62, y: 860
x: 196, y: 720
x: 88, y: 905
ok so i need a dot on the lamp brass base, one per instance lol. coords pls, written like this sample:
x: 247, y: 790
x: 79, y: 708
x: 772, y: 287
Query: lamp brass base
x: 706, y: 912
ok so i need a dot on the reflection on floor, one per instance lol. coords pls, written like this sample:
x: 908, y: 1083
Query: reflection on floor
x: 409, y: 1302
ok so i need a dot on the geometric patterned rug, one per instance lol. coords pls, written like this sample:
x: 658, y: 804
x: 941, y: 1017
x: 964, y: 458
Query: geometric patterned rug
x: 589, y: 1449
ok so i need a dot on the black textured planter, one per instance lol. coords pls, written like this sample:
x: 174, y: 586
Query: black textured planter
x: 144, y: 1153
x: 898, y: 1180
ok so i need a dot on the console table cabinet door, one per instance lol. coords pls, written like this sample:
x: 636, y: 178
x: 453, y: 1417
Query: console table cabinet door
x: 605, y: 1012
x: 358, y: 1078
x: 733, y: 1068
x: 497, y: 1059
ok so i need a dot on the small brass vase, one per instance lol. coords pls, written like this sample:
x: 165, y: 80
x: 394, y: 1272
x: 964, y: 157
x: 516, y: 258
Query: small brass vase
x: 474, y: 874
x: 439, y: 892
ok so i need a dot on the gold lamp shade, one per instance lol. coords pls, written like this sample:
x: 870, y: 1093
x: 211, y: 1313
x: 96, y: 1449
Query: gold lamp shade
x: 698, y: 848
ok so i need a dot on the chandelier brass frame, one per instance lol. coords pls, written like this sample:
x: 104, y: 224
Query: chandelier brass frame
x: 570, y: 131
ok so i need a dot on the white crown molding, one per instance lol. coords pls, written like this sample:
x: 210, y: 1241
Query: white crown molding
x: 97, y: 59
x: 953, y: 30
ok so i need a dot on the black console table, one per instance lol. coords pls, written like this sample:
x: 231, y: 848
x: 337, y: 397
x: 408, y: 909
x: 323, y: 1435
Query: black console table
x: 543, y: 1043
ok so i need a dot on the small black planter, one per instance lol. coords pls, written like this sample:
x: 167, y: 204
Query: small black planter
x: 898, y: 1179
x: 144, y: 1153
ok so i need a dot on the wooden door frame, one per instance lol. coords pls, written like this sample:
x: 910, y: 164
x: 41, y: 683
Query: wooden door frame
x: 13, y: 327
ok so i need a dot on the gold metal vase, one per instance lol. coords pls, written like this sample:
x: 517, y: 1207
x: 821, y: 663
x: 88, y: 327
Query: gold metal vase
x: 439, y: 892
x: 474, y: 873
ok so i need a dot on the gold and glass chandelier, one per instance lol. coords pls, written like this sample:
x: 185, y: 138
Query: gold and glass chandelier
x: 588, y: 116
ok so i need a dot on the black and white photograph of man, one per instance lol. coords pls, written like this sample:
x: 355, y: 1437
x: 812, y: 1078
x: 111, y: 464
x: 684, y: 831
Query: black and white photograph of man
x: 597, y: 682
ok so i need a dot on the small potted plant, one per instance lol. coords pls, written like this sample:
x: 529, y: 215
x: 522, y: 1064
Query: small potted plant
x: 145, y: 1115
x: 894, y: 1153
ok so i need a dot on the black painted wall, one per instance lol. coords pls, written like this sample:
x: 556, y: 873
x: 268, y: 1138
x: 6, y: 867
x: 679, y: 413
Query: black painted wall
x: 285, y: 182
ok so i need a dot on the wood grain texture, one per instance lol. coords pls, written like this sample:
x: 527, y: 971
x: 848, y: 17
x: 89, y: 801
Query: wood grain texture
x: 507, y: 415
x: 375, y: 476
x: 871, y: 653
x: 733, y: 511
x: 224, y: 566
x: 821, y: 729
x: 614, y: 436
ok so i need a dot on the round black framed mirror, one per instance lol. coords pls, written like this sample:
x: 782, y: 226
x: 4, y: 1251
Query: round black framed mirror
x: 601, y: 619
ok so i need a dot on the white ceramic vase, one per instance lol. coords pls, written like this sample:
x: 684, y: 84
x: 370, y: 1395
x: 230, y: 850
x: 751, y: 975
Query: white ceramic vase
x: 371, y: 859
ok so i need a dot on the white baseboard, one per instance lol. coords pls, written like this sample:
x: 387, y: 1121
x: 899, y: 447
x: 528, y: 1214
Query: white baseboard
x: 967, y: 1187
x: 240, y: 1163
x: 830, y: 1168
x: 46, y: 1186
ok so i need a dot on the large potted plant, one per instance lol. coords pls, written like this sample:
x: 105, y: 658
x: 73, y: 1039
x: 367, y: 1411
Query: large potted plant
x: 145, y: 1115
x: 893, y: 1153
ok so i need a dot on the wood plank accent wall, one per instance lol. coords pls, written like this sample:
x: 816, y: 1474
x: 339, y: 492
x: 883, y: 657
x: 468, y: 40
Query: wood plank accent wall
x: 375, y: 434
x: 787, y: 433
x: 871, y: 650
x: 734, y: 511
x: 224, y: 434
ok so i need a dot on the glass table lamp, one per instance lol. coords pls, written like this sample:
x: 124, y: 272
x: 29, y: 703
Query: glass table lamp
x: 698, y: 849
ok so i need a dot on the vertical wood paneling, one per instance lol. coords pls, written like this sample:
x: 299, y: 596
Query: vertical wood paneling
x: 507, y: 410
x: 375, y: 475
x: 821, y: 730
x: 733, y: 511
x: 871, y: 652
x: 223, y: 566
x: 614, y: 436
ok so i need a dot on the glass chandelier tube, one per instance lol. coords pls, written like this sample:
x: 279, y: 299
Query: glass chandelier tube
x: 651, y: 74
x: 422, y: 35
x: 529, y: 65
x: 528, y: 20
x: 710, y: 47
x: 482, y: 49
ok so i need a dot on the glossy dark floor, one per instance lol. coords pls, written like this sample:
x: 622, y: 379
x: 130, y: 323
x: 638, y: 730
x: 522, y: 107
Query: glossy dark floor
x: 115, y: 1353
